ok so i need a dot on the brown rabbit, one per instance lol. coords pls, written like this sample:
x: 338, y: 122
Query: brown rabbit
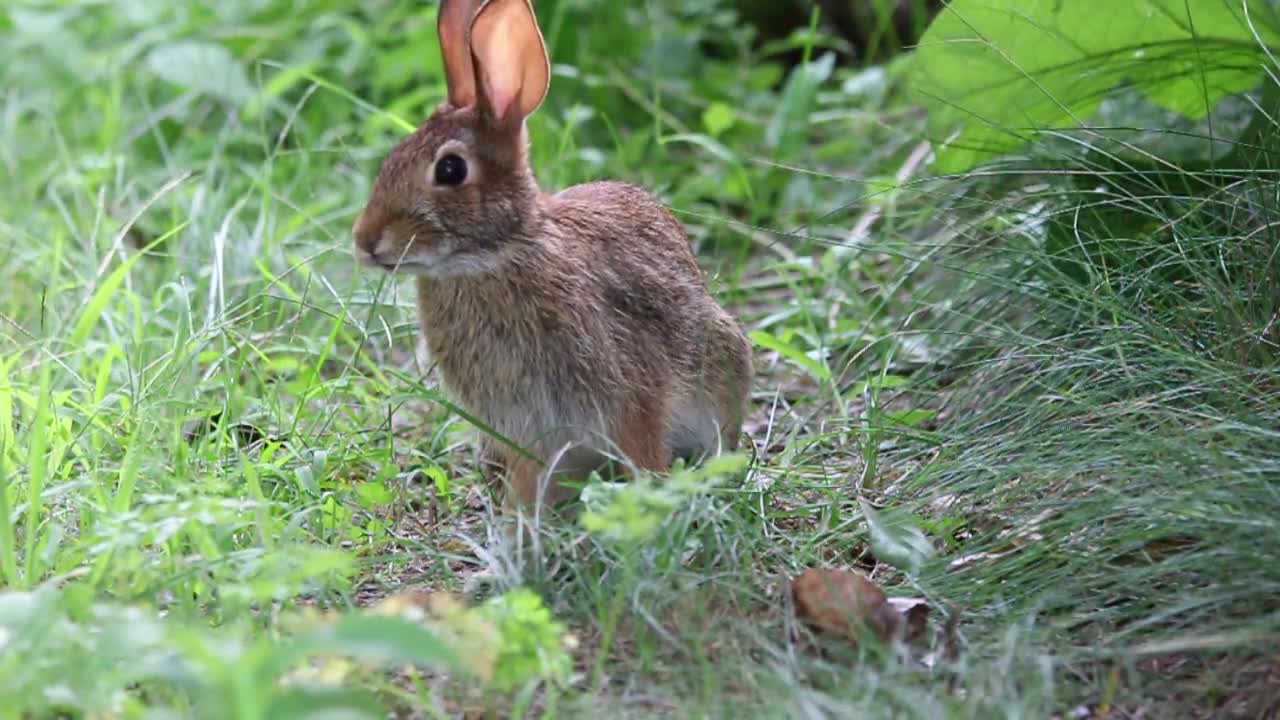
x: 576, y: 324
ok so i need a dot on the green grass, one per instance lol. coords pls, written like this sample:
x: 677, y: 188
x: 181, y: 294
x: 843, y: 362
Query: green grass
x: 216, y: 450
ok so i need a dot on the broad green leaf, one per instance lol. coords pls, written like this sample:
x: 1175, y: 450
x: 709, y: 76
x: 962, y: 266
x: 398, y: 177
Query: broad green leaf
x: 790, y: 352
x: 994, y: 74
x: 440, y: 480
x: 718, y: 117
x: 897, y: 540
x: 204, y: 67
x: 375, y: 494
x: 786, y: 129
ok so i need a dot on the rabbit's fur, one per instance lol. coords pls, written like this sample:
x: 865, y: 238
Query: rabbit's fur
x: 576, y: 324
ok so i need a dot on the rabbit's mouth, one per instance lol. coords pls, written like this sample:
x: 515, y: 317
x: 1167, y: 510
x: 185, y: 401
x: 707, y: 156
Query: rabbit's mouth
x: 384, y: 261
x: 388, y: 263
x: 439, y: 266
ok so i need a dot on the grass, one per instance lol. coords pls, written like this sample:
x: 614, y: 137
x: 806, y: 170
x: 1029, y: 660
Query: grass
x: 216, y: 451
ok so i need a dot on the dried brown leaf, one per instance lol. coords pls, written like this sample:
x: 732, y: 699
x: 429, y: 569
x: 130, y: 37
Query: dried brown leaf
x: 844, y: 603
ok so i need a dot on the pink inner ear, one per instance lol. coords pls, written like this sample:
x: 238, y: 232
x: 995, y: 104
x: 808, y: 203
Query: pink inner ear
x: 502, y: 86
x: 508, y: 50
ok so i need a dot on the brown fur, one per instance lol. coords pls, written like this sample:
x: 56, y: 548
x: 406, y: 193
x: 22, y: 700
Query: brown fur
x: 576, y: 324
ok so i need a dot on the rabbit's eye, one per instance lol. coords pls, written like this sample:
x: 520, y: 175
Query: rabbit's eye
x: 451, y: 170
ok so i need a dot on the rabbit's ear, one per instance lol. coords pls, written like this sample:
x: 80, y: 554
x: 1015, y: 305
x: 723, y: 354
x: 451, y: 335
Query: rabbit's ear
x: 511, y: 60
x: 453, y: 23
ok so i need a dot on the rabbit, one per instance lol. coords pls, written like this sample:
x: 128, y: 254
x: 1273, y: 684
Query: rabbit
x: 575, y: 324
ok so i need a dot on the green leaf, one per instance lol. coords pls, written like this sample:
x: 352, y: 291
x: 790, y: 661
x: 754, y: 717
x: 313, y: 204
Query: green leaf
x: 440, y: 480
x: 790, y: 352
x: 895, y: 539
x: 724, y: 464
x: 785, y: 133
x: 718, y: 117
x: 204, y: 67
x: 375, y: 494
x: 994, y: 74
x: 629, y: 513
x: 532, y: 644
